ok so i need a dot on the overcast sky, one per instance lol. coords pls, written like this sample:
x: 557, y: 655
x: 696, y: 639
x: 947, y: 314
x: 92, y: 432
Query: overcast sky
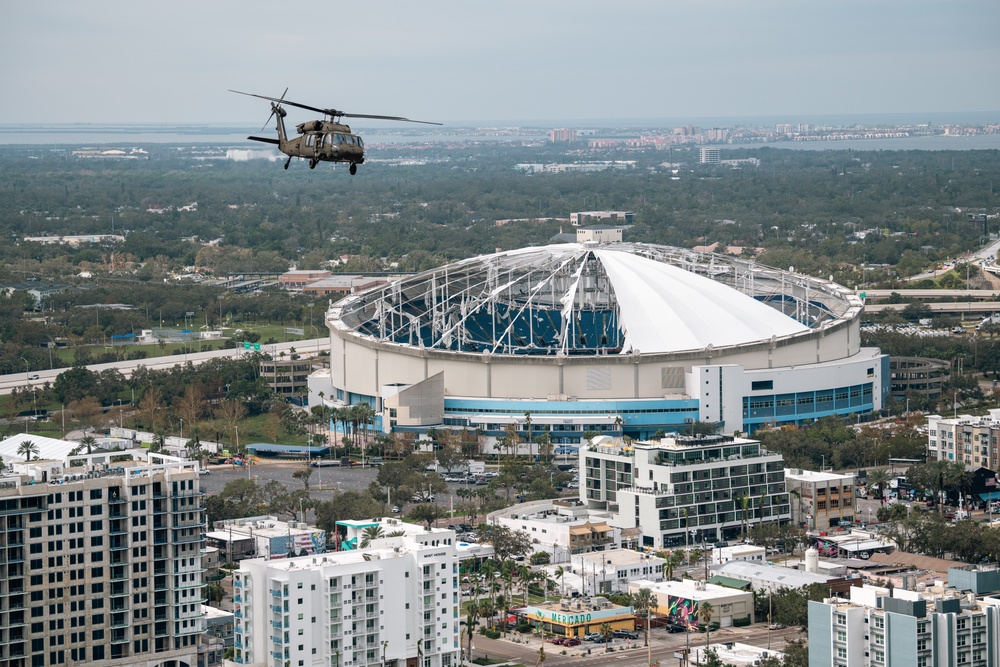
x: 172, y: 61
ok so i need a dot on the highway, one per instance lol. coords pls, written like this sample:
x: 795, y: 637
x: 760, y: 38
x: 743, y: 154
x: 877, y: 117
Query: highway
x: 977, y: 307
x: 9, y: 381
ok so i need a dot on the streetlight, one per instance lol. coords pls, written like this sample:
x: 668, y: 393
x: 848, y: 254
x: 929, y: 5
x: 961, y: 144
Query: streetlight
x: 182, y: 428
x: 27, y: 378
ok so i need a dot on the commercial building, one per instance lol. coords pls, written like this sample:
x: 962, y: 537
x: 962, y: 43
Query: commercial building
x: 680, y: 601
x: 579, y: 616
x: 619, y: 339
x: 339, y: 286
x: 767, y: 577
x: 683, y: 490
x: 599, y: 234
x: 879, y: 627
x: 741, y: 552
x: 393, y: 603
x: 296, y: 279
x: 584, y: 217
x: 965, y: 439
x: 561, y: 528
x: 100, y: 562
x: 265, y: 537
x: 820, y: 500
x: 603, y: 572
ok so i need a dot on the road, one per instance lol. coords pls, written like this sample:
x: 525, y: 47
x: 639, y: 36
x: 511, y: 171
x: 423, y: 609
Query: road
x: 10, y: 381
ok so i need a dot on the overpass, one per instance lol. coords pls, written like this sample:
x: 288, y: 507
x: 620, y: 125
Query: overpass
x: 971, y: 307
x: 879, y: 294
x: 19, y: 379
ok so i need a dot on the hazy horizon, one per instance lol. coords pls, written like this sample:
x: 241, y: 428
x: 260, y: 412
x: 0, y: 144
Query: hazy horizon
x: 568, y: 61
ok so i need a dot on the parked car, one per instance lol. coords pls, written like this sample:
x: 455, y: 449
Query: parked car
x: 625, y: 634
x: 466, y: 528
x: 676, y: 627
x: 593, y: 636
x: 571, y: 641
x: 776, y: 626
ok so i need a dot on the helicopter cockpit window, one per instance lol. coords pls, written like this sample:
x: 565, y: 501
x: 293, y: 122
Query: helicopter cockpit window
x: 360, y: 142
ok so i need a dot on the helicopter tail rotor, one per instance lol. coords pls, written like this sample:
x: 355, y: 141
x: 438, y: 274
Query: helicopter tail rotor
x: 276, y: 109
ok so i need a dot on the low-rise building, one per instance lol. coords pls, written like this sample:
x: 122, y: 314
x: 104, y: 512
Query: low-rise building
x: 583, y: 217
x: 679, y: 601
x: 299, y: 278
x: 820, y: 500
x: 265, y: 537
x: 767, y: 577
x: 394, y: 602
x: 599, y: 234
x: 742, y: 552
x: 610, y: 571
x: 337, y: 286
x: 579, y: 616
x: 561, y: 528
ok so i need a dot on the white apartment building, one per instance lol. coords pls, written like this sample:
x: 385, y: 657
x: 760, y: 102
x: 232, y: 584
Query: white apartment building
x: 394, y: 603
x: 684, y: 491
x: 100, y: 562
x: 878, y: 627
x: 965, y: 439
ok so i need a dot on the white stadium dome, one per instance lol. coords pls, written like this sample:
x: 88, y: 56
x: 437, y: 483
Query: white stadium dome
x: 628, y: 329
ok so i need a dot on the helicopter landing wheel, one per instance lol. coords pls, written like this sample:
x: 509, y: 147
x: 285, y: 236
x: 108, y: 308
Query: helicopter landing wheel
x: 353, y: 169
x: 288, y: 162
x: 312, y: 164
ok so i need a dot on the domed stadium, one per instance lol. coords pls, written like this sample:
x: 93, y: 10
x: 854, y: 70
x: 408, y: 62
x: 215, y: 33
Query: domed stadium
x: 622, y: 338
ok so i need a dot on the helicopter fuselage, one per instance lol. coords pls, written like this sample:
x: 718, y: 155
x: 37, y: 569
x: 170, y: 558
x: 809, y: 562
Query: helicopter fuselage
x: 325, y: 141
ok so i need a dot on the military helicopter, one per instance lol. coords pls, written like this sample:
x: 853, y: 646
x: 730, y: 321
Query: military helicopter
x: 326, y: 140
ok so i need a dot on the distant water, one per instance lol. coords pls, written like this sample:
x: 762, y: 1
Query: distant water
x: 84, y: 135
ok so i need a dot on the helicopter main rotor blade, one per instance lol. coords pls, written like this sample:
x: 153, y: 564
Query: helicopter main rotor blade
x: 400, y: 118
x: 282, y: 100
x: 332, y: 112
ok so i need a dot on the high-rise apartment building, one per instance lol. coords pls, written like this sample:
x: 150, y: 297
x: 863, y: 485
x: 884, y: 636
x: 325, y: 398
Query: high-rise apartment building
x: 393, y: 603
x: 100, y: 563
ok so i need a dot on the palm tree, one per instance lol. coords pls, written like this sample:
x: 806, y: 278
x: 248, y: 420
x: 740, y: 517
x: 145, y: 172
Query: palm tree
x: 744, y: 503
x: 879, y: 479
x: 705, y: 610
x: 470, y: 626
x: 606, y: 632
x: 541, y: 655
x: 644, y: 602
x: 27, y: 448
x: 560, y: 574
x: 88, y: 442
x: 370, y: 534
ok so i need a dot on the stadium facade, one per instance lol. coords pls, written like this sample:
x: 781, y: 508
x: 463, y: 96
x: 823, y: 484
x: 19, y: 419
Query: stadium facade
x: 621, y: 339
